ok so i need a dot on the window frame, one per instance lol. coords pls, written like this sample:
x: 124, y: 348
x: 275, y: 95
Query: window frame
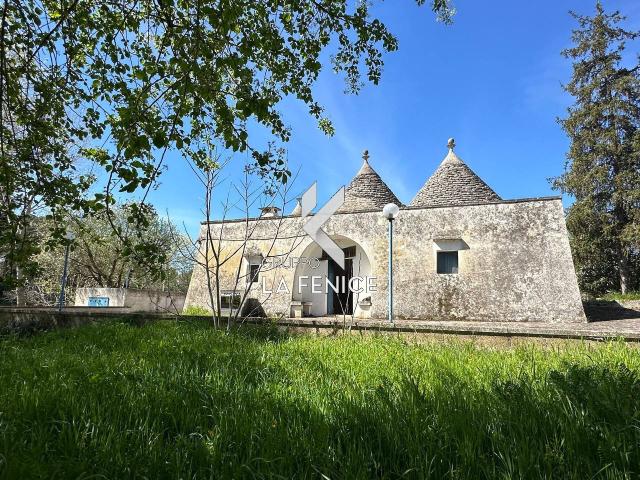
x: 234, y: 303
x: 448, y: 253
x: 254, y: 278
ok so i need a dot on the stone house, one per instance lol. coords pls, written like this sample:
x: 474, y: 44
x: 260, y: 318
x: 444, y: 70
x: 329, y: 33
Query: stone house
x: 460, y: 252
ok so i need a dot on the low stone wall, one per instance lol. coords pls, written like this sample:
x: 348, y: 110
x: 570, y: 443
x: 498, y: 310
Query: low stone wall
x: 608, y: 319
x: 29, y: 320
x: 134, y: 299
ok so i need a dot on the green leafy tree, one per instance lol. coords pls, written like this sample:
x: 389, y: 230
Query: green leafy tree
x: 99, y: 259
x: 121, y: 83
x: 102, y: 259
x: 603, y: 167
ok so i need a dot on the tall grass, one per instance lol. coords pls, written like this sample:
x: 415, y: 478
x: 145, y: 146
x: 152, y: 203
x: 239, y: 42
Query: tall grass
x: 180, y: 400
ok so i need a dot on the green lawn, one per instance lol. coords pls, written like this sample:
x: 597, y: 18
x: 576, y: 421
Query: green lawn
x: 180, y: 400
x: 616, y: 296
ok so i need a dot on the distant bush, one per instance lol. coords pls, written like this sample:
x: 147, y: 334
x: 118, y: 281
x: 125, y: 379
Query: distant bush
x: 196, y: 311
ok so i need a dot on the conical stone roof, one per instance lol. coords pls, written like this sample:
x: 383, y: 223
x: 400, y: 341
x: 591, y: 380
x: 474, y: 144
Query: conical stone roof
x: 367, y: 191
x: 453, y: 184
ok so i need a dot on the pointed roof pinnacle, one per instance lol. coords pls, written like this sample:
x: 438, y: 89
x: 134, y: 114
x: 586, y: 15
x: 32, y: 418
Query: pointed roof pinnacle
x: 451, y: 156
x: 367, y: 191
x: 451, y: 143
x: 365, y: 168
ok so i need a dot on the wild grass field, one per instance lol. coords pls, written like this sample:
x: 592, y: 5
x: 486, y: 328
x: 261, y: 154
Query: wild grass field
x: 180, y: 400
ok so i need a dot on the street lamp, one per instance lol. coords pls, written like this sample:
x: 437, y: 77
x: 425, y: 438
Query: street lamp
x: 69, y: 237
x: 390, y: 212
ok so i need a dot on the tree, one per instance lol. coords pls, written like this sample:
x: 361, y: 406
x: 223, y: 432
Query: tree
x: 603, y: 161
x: 99, y: 258
x: 121, y: 83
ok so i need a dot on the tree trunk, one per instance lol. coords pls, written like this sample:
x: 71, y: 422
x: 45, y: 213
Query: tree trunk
x: 623, y: 271
x: 622, y: 220
x: 20, y: 293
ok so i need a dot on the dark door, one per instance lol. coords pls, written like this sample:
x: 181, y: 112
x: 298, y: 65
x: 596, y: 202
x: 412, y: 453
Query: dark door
x: 341, y: 301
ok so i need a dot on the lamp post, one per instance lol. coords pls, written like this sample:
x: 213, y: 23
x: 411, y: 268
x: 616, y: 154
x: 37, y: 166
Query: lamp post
x: 390, y: 212
x: 69, y: 237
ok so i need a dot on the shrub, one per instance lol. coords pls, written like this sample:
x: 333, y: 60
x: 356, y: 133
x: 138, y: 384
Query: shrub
x: 196, y: 311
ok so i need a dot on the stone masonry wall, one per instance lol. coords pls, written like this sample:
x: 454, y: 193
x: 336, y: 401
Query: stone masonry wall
x: 518, y: 265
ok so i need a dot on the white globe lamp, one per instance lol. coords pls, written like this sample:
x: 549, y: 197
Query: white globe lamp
x: 390, y: 212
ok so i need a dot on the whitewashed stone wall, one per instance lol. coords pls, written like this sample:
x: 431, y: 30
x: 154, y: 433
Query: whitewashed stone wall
x: 518, y: 265
x: 136, y: 300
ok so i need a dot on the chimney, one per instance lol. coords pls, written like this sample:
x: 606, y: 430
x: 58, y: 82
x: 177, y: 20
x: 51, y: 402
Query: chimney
x: 269, y: 212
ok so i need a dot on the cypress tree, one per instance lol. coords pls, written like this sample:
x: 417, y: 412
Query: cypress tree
x: 602, y: 170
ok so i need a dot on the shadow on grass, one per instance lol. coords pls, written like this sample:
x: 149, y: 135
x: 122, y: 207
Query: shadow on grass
x: 189, y: 402
x: 603, y: 310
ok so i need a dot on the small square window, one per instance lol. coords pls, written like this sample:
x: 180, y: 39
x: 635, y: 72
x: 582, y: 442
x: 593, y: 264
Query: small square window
x: 254, y: 273
x: 227, y: 300
x: 447, y: 262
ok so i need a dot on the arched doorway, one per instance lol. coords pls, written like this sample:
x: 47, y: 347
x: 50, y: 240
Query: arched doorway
x: 324, y: 288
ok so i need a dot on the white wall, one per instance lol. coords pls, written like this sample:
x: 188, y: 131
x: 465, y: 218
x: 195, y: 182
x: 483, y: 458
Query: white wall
x: 517, y: 268
x: 116, y: 296
x: 136, y: 300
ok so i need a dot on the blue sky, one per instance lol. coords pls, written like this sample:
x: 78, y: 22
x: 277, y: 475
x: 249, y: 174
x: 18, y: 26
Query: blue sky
x: 492, y: 80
